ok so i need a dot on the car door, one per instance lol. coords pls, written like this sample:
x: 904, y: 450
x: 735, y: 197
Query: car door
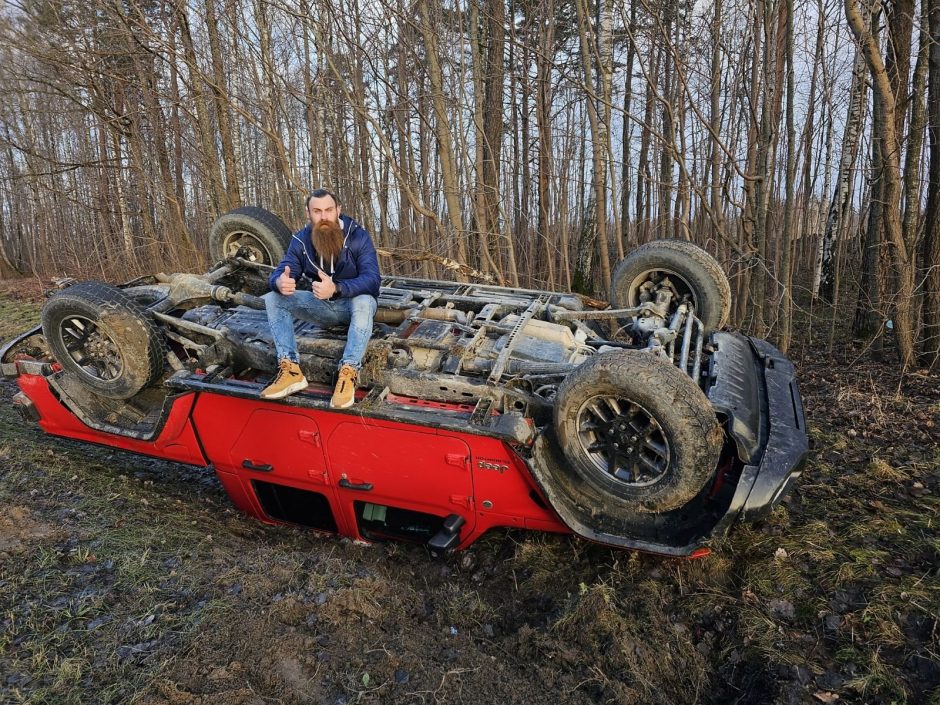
x: 400, y: 482
x: 269, y: 459
x: 280, y: 444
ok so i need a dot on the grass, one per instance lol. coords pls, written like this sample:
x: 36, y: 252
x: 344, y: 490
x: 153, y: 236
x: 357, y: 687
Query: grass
x: 91, y: 604
x: 16, y: 316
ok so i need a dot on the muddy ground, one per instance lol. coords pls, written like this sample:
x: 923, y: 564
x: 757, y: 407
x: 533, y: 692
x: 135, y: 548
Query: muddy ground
x: 130, y: 580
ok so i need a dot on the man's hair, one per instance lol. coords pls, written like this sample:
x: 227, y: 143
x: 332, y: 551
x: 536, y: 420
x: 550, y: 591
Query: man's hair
x: 320, y: 193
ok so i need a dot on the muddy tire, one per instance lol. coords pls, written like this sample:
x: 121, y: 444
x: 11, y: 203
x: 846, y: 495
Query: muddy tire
x: 104, y: 338
x: 146, y: 295
x: 263, y: 233
x: 693, y: 273
x: 636, y: 431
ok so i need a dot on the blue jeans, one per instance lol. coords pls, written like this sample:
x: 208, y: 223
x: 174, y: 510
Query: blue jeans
x: 358, y: 312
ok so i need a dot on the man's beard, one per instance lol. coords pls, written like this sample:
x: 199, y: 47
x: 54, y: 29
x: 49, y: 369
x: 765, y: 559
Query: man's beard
x: 328, y: 239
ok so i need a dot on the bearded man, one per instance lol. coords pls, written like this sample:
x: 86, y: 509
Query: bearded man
x: 337, y: 255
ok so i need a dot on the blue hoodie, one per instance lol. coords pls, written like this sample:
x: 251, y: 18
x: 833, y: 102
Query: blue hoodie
x: 355, y: 271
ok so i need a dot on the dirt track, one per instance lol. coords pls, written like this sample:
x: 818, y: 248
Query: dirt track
x: 124, y: 579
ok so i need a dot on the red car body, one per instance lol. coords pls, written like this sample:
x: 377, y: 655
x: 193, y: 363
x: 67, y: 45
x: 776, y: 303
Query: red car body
x: 261, y: 451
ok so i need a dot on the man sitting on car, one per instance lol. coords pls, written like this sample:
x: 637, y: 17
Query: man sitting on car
x: 337, y: 255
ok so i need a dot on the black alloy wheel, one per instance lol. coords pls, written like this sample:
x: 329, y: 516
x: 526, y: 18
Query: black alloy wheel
x: 92, y: 348
x: 623, y: 440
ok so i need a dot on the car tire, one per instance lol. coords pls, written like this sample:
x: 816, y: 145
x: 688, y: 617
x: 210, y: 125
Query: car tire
x: 104, y: 338
x: 263, y: 233
x: 636, y: 431
x: 692, y: 270
x: 146, y: 295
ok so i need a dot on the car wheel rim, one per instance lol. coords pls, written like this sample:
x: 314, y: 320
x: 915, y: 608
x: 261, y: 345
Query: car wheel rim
x: 92, y: 348
x: 623, y: 441
x: 662, y: 278
x: 257, y: 250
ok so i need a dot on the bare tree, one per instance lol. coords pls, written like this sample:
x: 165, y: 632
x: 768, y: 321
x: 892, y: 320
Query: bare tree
x: 930, y: 349
x: 900, y: 250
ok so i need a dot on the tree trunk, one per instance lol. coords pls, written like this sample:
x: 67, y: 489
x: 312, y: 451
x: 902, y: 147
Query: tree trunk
x: 280, y: 165
x: 219, y: 94
x: 525, y: 197
x: 749, y: 214
x: 176, y: 125
x: 488, y: 257
x: 664, y: 228
x: 643, y: 174
x: 869, y: 314
x: 912, y: 185
x: 930, y: 259
x: 786, y: 311
x: 715, y: 121
x: 594, y: 237
x: 839, y: 206
x: 764, y: 174
x: 900, y: 255
x: 808, y: 227
x: 445, y: 150
x: 173, y: 234
x: 627, y: 235
x: 493, y: 127
x: 210, y: 159
x: 312, y: 170
x: 543, y: 110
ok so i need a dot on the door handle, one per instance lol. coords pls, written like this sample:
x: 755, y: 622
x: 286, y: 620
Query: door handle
x: 265, y: 467
x: 363, y: 486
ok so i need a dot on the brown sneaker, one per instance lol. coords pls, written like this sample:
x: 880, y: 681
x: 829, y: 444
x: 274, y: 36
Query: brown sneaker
x: 344, y: 395
x: 289, y: 380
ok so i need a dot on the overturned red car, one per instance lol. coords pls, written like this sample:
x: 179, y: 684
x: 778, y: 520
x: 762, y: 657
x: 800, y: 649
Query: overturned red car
x: 643, y: 425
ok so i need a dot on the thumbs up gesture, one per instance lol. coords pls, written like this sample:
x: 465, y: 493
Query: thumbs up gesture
x: 285, y: 284
x: 325, y: 288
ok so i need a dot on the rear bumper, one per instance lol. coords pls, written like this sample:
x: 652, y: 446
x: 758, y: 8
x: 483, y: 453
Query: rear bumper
x: 12, y: 367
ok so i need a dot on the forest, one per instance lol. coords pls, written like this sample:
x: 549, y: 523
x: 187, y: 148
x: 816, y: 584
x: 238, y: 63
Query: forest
x: 529, y: 143
x: 526, y: 143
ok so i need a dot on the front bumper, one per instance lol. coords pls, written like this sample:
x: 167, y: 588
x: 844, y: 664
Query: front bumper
x: 777, y: 459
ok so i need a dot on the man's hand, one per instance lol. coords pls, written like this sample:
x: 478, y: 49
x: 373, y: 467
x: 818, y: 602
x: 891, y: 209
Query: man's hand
x: 285, y: 284
x: 325, y: 288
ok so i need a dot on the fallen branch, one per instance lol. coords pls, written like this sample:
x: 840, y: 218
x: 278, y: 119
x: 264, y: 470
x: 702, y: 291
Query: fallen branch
x: 446, y: 262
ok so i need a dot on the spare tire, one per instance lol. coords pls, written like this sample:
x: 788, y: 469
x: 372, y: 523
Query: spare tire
x: 636, y: 431
x: 265, y: 236
x: 691, y: 272
x: 104, y: 338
